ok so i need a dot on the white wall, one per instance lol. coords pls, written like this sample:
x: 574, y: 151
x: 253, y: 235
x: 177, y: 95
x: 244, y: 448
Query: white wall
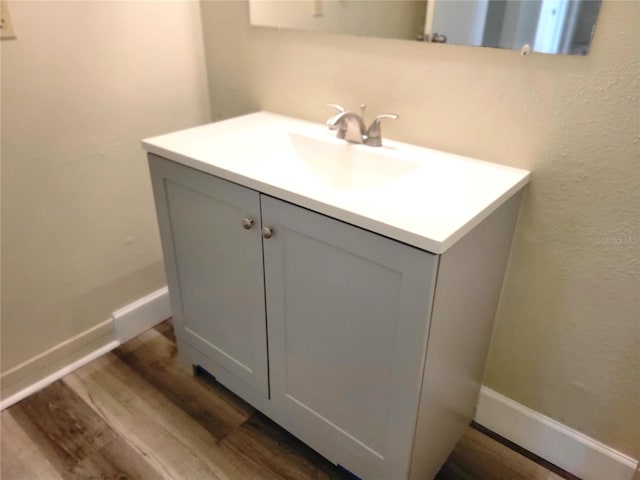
x: 567, y: 340
x: 81, y: 86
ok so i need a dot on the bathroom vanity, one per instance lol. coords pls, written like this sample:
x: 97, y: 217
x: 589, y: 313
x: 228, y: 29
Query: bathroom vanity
x: 347, y: 292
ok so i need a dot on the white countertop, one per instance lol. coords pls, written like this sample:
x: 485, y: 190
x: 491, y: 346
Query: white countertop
x: 431, y: 207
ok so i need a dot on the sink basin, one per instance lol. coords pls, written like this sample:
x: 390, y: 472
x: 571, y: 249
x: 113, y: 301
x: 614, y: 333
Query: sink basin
x: 347, y: 166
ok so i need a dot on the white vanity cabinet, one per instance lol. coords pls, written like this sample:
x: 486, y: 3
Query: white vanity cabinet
x: 347, y: 292
x: 347, y: 313
x: 375, y: 348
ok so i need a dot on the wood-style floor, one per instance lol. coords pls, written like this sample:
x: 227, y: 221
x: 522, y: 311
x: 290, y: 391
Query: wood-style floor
x: 135, y: 414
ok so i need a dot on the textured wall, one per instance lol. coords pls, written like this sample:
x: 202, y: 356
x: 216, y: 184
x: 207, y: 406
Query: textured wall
x: 567, y: 339
x: 81, y: 86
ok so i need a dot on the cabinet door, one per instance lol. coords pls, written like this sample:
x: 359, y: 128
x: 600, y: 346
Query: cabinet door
x: 348, y: 314
x: 214, y: 268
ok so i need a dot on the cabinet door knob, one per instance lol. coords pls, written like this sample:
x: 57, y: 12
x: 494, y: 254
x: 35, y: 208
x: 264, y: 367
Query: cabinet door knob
x: 267, y: 232
x: 247, y: 223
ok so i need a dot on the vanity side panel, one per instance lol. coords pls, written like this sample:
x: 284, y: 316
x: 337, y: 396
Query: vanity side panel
x: 467, y: 293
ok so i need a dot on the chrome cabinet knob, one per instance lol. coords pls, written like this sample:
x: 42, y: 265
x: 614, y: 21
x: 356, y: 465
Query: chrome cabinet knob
x: 267, y: 232
x: 247, y: 223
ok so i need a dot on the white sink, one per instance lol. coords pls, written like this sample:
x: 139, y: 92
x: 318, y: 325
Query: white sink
x: 348, y: 166
x: 422, y: 197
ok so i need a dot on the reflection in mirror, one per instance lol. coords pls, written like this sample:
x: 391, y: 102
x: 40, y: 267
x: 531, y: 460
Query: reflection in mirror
x: 547, y: 26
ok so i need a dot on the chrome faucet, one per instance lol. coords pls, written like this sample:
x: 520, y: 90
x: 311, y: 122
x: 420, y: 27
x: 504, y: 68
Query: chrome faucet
x: 352, y: 126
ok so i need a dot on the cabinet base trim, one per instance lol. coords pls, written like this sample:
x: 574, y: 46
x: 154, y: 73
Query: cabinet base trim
x: 555, y: 442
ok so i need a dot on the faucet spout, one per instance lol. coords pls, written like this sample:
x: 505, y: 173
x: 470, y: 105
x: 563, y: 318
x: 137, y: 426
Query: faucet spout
x: 350, y: 126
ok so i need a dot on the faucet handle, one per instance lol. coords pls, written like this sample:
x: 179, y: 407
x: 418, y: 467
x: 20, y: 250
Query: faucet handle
x: 340, y: 109
x: 392, y: 116
x: 374, y: 133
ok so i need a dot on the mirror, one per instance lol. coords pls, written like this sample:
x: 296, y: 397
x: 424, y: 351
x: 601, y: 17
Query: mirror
x: 545, y: 26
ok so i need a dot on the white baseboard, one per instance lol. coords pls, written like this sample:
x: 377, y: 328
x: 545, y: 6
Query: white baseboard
x: 48, y: 367
x: 567, y: 448
x: 142, y: 315
x: 32, y: 371
x: 57, y: 375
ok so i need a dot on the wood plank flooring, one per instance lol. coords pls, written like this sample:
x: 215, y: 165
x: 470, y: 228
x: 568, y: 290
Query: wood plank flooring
x: 135, y: 414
